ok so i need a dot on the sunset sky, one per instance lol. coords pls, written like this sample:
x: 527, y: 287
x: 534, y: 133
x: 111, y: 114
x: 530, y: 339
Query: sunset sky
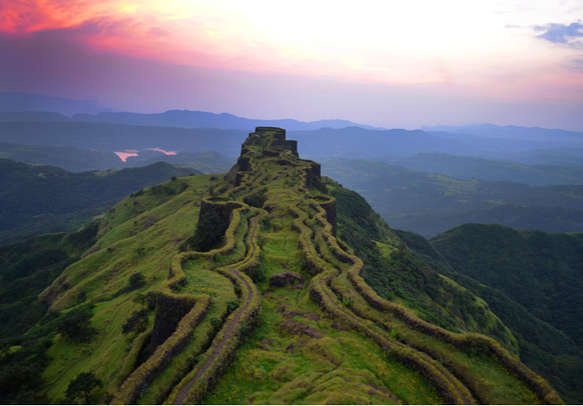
x: 385, y: 63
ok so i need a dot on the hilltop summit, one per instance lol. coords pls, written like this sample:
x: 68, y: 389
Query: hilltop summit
x: 247, y: 288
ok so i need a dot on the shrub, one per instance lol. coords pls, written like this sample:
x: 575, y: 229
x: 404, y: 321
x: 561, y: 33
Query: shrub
x: 149, y: 300
x: 256, y: 199
x: 257, y: 273
x: 84, y: 389
x: 137, y: 280
x: 137, y: 322
x: 76, y: 325
x: 232, y: 305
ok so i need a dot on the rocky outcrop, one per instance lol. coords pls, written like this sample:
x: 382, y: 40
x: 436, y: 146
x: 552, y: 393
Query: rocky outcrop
x: 213, y: 220
x: 169, y: 312
x: 295, y: 327
x: 330, y: 208
x: 282, y: 279
x: 313, y: 176
x: 291, y: 145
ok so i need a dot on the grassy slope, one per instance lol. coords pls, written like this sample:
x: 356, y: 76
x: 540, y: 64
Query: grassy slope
x: 393, y: 271
x: 140, y: 234
x: 29, y: 267
x: 532, y: 281
x: 40, y: 199
x: 319, y: 341
x: 541, y: 271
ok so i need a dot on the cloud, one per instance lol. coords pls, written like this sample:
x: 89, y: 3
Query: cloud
x: 58, y: 63
x: 562, y: 34
x: 17, y: 16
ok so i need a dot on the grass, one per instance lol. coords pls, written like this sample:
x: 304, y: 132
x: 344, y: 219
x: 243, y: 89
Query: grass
x: 100, y: 275
x: 316, y: 342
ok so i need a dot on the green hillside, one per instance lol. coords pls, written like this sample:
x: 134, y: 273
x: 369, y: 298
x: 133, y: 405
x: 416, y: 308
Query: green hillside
x: 542, y: 274
x: 38, y: 199
x: 251, y: 288
x: 541, y: 271
x: 29, y: 267
x: 542, y: 346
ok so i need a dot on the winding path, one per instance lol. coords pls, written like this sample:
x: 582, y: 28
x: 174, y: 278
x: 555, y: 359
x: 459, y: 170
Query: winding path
x: 229, y: 329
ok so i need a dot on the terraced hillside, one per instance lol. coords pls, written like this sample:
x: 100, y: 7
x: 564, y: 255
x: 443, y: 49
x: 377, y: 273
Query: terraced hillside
x: 236, y: 289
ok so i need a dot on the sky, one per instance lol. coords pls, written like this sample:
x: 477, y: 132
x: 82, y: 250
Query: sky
x: 379, y: 62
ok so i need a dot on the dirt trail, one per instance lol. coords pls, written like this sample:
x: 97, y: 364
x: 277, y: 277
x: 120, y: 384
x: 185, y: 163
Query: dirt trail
x: 183, y: 393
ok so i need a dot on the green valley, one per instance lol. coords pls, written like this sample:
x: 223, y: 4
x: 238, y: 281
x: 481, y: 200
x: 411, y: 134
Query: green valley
x: 430, y: 203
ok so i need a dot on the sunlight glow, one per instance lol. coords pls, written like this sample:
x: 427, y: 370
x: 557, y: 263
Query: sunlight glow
x: 453, y: 42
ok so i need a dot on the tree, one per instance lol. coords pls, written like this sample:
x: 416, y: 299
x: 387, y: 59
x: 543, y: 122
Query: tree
x: 84, y: 389
x: 76, y: 325
x: 137, y: 280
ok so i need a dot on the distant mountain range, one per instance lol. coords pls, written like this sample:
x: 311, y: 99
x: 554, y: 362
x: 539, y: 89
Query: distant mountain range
x: 33, y: 107
x: 465, y: 167
x: 428, y: 204
x: 349, y: 142
x: 507, y: 131
x: 203, y: 119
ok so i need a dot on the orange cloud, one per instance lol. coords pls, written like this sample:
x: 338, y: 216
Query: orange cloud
x: 35, y: 15
x: 373, y: 42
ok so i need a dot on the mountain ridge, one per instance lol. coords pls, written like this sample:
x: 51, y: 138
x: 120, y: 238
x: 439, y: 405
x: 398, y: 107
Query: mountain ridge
x: 205, y: 119
x: 257, y: 270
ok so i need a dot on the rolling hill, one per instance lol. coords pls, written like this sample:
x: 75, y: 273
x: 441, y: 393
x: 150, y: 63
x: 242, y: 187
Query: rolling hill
x: 465, y: 167
x: 428, y: 204
x: 105, y: 137
x: 83, y: 160
x: 352, y: 142
x: 39, y: 199
x: 252, y: 288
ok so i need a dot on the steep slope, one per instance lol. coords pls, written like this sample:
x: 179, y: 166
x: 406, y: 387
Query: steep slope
x: 546, y: 349
x: 28, y: 267
x: 394, y: 271
x: 541, y: 271
x: 40, y: 199
x: 263, y: 300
